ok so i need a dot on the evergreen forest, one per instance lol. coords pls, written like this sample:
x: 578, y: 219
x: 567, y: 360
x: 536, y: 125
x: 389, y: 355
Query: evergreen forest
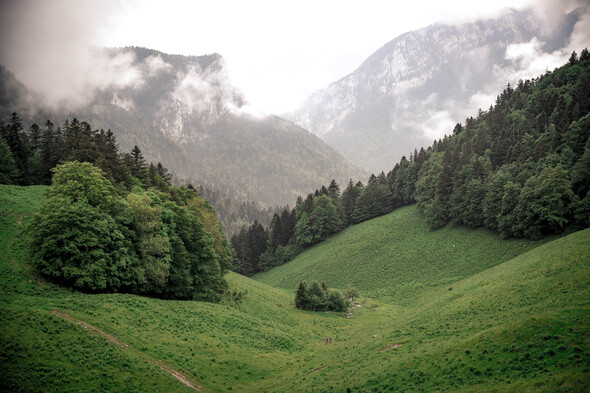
x: 520, y: 169
x: 110, y: 221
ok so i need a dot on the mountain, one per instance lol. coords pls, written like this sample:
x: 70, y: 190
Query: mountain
x: 183, y: 112
x: 419, y: 85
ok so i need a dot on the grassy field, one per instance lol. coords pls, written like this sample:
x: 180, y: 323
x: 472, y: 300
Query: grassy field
x: 396, y: 258
x: 485, y: 315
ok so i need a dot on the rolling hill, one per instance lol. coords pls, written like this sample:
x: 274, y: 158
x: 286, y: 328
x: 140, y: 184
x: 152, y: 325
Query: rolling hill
x: 397, y: 257
x: 515, y: 319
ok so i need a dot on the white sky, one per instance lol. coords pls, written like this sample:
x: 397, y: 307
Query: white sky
x: 279, y: 52
x: 276, y: 52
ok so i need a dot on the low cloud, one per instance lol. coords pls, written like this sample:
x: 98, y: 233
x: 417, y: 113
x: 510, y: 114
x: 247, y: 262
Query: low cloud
x: 206, y: 91
x: 52, y: 48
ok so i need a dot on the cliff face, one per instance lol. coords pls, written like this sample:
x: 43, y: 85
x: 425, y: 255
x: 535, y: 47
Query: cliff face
x: 417, y: 86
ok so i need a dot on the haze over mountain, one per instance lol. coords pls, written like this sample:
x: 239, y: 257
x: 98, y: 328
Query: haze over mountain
x: 419, y: 85
x: 183, y: 112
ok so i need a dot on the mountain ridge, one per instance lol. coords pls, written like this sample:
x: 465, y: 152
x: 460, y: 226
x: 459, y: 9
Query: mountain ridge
x: 408, y: 91
x: 182, y: 111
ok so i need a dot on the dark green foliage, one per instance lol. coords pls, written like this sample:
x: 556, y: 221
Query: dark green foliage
x: 8, y: 169
x: 520, y: 169
x: 375, y: 200
x: 348, y: 201
x: 93, y: 237
x: 317, y: 225
x: 537, y: 134
x: 316, y: 297
x: 259, y: 250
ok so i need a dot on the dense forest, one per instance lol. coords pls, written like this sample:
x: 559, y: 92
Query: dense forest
x: 110, y: 221
x: 521, y: 169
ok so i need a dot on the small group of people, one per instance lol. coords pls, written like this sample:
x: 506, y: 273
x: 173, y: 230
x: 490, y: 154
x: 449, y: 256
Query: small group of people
x: 327, y: 340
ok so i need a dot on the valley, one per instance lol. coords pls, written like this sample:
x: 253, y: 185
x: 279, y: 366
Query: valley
x: 516, y: 320
x: 160, y: 232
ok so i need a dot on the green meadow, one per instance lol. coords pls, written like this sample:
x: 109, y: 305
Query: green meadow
x: 396, y: 258
x: 447, y: 310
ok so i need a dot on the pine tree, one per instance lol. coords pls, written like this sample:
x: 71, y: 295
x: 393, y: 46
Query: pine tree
x: 334, y: 190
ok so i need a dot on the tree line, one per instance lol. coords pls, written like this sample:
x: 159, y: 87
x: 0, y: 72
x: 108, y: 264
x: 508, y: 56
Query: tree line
x: 110, y: 221
x: 521, y: 169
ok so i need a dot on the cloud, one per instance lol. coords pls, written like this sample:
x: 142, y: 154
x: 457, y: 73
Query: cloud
x: 206, y: 91
x: 529, y: 60
x: 580, y: 37
x: 52, y: 48
x: 153, y: 65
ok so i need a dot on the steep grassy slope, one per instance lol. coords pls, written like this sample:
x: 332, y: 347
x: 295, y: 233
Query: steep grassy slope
x: 396, y: 257
x: 519, y: 326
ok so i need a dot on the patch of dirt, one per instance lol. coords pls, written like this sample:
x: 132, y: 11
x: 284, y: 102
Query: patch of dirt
x: 114, y: 340
x: 184, y: 380
x: 315, y: 370
x: 392, y: 346
x: 110, y: 338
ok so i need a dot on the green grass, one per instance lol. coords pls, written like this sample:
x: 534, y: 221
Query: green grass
x: 396, y: 257
x: 486, y: 315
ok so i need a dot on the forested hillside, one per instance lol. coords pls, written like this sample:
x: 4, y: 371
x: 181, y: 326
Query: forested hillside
x: 521, y: 169
x: 111, y: 222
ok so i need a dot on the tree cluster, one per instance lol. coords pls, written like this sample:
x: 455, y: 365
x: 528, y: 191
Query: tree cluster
x: 27, y: 157
x: 111, y: 222
x: 259, y: 249
x: 317, y: 297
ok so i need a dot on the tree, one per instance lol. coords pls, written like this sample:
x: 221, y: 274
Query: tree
x: 138, y: 165
x: 75, y: 238
x: 334, y: 190
x: 375, y: 200
x: 150, y: 240
x: 8, y: 169
x: 545, y: 203
x: 348, y: 200
x: 316, y: 226
x: 317, y: 297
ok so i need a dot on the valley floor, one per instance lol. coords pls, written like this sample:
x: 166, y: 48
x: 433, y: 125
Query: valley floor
x: 498, y: 316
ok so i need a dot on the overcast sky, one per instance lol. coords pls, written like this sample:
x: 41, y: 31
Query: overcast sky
x: 276, y: 52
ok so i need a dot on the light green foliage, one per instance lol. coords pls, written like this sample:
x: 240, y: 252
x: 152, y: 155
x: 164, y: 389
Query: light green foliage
x: 75, y: 239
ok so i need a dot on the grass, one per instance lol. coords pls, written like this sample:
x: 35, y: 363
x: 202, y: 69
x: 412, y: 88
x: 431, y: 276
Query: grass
x: 516, y: 319
x: 396, y: 258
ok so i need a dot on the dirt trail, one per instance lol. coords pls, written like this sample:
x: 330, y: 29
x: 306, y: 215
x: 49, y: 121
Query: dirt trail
x: 392, y: 346
x: 115, y: 341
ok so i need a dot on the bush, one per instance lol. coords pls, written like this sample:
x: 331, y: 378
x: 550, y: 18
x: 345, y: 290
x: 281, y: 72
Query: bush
x: 316, y: 297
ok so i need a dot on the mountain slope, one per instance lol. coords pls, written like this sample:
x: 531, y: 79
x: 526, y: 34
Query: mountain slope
x: 419, y: 85
x: 519, y: 326
x: 183, y: 112
x: 396, y: 257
